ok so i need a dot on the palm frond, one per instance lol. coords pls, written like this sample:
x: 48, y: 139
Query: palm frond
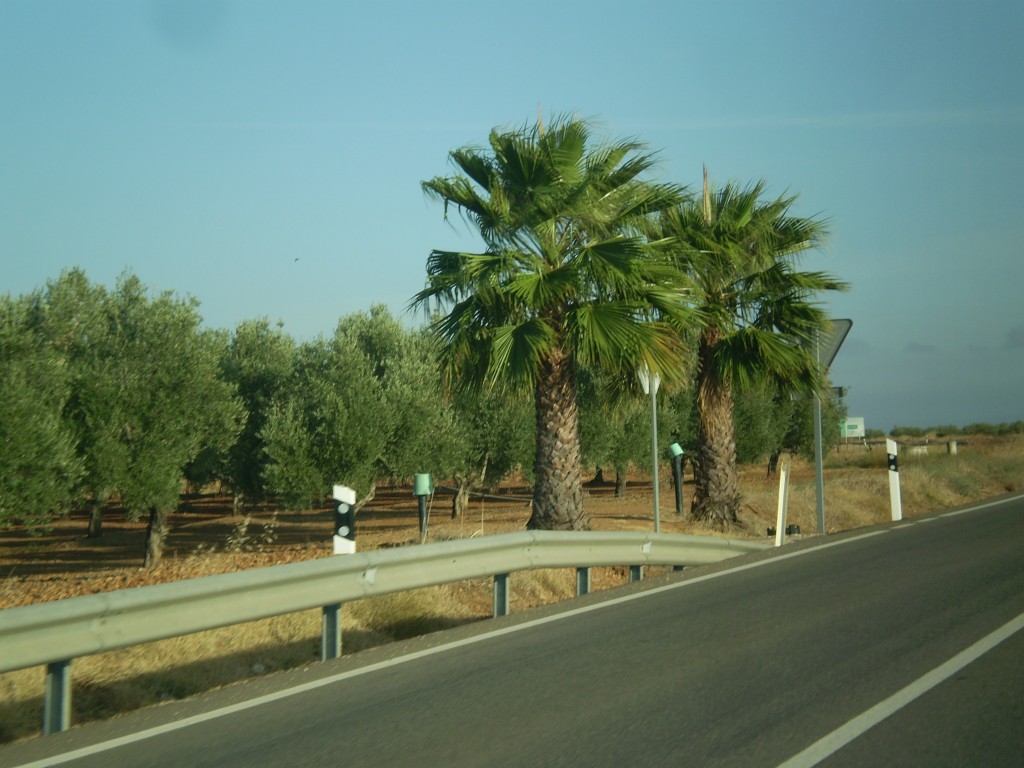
x: 565, y: 264
x: 544, y: 288
x: 516, y: 352
x: 749, y: 353
x: 474, y: 165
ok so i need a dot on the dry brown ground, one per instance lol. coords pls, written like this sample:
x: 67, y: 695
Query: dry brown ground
x: 205, y: 538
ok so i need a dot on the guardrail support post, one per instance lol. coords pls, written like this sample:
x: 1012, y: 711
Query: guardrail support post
x: 582, y: 581
x: 330, y: 635
x: 636, y: 573
x: 57, y: 698
x: 500, y: 594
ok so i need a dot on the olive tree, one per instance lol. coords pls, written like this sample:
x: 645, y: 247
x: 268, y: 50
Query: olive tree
x: 258, y: 363
x: 173, y: 403
x: 495, y: 438
x: 75, y: 316
x: 146, y: 392
x: 418, y: 424
x: 615, y: 427
x: 39, y: 467
x: 325, y: 428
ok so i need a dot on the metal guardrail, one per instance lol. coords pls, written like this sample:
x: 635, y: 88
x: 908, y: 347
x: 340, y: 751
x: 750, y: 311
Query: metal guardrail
x: 57, y: 632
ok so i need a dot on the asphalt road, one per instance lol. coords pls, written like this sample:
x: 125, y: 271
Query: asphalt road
x: 896, y: 646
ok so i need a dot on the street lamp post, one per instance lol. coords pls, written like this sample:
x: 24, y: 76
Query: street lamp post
x: 650, y: 382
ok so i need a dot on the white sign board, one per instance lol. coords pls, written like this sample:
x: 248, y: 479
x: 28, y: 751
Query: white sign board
x: 852, y: 427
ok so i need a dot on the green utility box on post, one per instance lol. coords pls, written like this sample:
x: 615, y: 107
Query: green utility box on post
x: 422, y: 487
x: 677, y: 474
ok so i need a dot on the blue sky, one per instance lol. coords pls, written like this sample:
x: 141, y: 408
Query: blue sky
x: 266, y: 157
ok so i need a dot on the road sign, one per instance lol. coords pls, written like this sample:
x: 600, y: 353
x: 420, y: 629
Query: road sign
x: 830, y: 340
x: 852, y: 426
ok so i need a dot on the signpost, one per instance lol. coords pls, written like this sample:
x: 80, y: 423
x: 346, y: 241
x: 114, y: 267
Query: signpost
x: 852, y: 426
x: 826, y: 347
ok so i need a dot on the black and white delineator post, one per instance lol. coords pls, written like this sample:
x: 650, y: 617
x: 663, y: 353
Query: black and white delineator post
x: 344, y: 520
x: 780, y: 523
x: 344, y: 544
x: 894, y: 481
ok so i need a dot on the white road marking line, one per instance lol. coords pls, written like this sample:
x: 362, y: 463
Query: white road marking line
x: 986, y: 505
x: 839, y: 738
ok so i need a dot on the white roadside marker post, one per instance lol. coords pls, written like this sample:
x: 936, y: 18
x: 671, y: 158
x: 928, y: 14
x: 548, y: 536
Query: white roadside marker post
x: 894, y: 481
x: 780, y: 523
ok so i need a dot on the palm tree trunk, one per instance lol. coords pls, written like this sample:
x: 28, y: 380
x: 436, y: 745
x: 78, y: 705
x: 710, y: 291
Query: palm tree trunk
x: 716, y: 499
x: 558, y: 474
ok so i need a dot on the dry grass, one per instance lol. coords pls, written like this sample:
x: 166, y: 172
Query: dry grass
x: 857, y: 494
x: 857, y: 483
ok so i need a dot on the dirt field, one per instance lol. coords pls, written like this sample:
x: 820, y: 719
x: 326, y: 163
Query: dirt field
x: 205, y: 537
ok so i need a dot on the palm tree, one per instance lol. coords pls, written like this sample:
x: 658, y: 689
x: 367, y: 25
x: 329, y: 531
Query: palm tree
x: 564, y: 278
x: 755, y: 316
